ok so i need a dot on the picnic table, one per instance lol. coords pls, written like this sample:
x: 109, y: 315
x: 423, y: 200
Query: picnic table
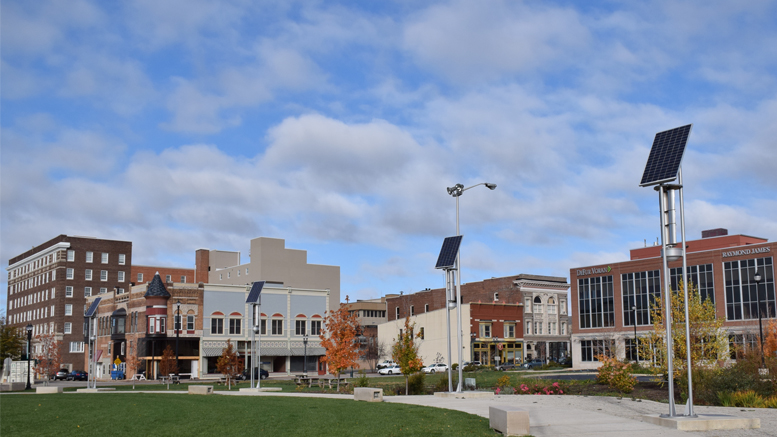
x: 138, y: 377
x: 170, y: 379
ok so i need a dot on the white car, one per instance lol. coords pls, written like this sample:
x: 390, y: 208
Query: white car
x: 390, y: 370
x: 386, y: 363
x: 434, y: 368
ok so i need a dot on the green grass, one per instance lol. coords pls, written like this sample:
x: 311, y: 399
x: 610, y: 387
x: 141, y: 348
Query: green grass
x: 118, y: 414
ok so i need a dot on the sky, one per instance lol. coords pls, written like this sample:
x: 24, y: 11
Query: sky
x: 338, y: 126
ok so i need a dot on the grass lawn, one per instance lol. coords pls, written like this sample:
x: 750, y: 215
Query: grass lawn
x: 117, y: 414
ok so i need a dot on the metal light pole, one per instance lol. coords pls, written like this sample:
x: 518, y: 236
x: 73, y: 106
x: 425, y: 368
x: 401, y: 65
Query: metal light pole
x: 177, y: 334
x: 456, y: 191
x: 305, y: 343
x: 636, y: 349
x: 29, y: 340
x: 757, y: 278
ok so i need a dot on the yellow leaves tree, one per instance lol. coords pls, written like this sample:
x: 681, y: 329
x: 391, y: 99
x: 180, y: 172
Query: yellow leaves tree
x: 228, y: 364
x: 338, y: 338
x: 708, y: 339
x: 770, y: 340
x: 404, y: 352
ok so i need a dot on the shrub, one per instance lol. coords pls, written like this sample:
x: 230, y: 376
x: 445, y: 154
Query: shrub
x: 616, y: 375
x: 771, y: 402
x: 442, y: 383
x: 415, y: 383
x: 503, y: 382
x: 747, y: 399
x: 725, y: 398
x: 470, y: 368
x: 538, y: 387
x: 455, y: 366
x: 362, y: 380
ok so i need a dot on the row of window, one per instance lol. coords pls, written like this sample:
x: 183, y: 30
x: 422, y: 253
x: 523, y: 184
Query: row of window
x: 229, y: 274
x: 70, y: 273
x: 104, y: 257
x: 30, y: 315
x: 276, y: 327
x: 590, y: 350
x: 43, y: 278
x: 32, y: 298
x: 641, y: 291
x: 31, y: 266
x: 168, y: 278
x: 536, y: 328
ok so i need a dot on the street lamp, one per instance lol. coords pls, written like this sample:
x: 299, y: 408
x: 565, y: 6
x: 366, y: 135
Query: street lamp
x: 757, y: 278
x: 177, y: 334
x: 496, y: 359
x: 29, y: 339
x: 636, y: 349
x: 456, y: 191
x: 305, y: 343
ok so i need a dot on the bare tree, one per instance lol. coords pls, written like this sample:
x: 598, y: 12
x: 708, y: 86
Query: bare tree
x: 374, y: 351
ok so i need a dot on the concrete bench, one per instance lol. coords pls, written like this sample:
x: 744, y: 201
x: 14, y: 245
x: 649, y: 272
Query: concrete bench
x: 200, y: 389
x: 368, y: 394
x: 49, y: 389
x: 509, y: 420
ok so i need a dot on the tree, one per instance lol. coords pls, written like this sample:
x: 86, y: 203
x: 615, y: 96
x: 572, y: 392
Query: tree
x: 404, y: 352
x: 50, y: 357
x: 228, y: 363
x: 167, y: 364
x: 338, y: 338
x: 133, y: 362
x: 708, y: 339
x: 770, y: 340
x: 374, y: 351
x: 11, y: 343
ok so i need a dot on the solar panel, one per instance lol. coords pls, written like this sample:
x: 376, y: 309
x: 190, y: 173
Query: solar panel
x: 665, y: 156
x: 92, y: 308
x: 450, y: 248
x: 256, y: 290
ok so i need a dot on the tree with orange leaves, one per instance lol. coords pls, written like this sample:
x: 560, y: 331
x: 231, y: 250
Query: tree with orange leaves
x: 50, y: 356
x: 405, y: 352
x: 338, y: 338
x: 770, y: 341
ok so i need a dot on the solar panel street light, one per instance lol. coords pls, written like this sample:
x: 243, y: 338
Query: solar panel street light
x: 90, y: 315
x: 255, y: 300
x: 447, y: 261
x: 664, y: 166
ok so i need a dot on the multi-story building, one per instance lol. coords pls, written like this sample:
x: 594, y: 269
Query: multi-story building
x: 137, y: 324
x: 610, y: 302
x: 48, y: 286
x: 178, y: 275
x: 545, y: 330
x: 272, y: 262
x: 369, y: 313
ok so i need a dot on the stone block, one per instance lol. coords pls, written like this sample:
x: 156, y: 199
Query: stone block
x: 48, y: 389
x: 368, y: 394
x: 200, y: 389
x: 509, y: 420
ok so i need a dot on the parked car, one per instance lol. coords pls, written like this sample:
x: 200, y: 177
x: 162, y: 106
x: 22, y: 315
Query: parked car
x: 436, y: 367
x: 390, y: 370
x: 386, y: 363
x: 533, y: 364
x: 77, y: 375
x: 508, y: 366
x: 61, y: 374
x: 246, y: 375
x: 472, y: 363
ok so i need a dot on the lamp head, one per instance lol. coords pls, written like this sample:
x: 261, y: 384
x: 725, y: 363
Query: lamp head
x: 490, y: 186
x: 28, y: 328
x: 757, y: 277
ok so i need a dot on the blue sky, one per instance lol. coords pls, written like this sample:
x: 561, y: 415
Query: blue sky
x: 183, y: 124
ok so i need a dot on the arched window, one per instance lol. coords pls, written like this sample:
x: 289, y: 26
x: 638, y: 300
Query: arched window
x: 537, y: 304
x: 551, y: 305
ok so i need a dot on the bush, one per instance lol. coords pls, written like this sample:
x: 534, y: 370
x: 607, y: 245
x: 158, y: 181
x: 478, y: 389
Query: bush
x: 616, y: 375
x: 471, y: 368
x: 442, y: 383
x: 362, y: 380
x: 747, y: 399
x: 538, y: 387
x: 416, y: 383
x: 455, y: 366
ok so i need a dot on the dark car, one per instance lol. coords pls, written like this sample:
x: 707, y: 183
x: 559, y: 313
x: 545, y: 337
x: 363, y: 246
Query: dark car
x: 508, y: 366
x: 77, y: 375
x: 533, y: 364
x: 246, y: 375
x: 61, y: 374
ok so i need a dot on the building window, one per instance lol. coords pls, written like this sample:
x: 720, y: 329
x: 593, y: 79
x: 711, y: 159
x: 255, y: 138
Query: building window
x: 68, y: 309
x: 234, y: 326
x: 88, y: 274
x: 643, y: 291
x: 551, y: 305
x: 595, y: 302
x: 563, y: 328
x: 190, y: 322
x: 69, y: 274
x: 277, y: 327
x: 509, y: 330
x: 315, y: 327
x: 68, y: 327
x: 104, y: 258
x: 71, y: 255
x: 168, y: 278
x: 299, y: 327
x: 122, y: 259
x: 537, y: 305
x: 76, y: 346
x: 89, y: 257
x: 412, y: 310
x: 119, y: 291
x: 397, y: 311
x: 485, y: 330
x: 700, y: 277
x: 563, y: 307
x: 216, y: 326
x: 591, y: 349
x: 742, y: 293
x: 496, y: 297
x: 87, y: 291
x: 121, y: 276
x: 183, y: 279
x: 69, y: 291
x: 103, y: 290
x: 103, y: 275
x: 140, y: 278
x: 528, y: 328
x: 426, y: 308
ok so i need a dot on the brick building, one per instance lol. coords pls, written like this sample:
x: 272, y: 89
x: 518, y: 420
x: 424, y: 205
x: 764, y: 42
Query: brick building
x: 144, y: 274
x: 369, y: 313
x: 545, y: 325
x: 608, y: 300
x: 48, y: 286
